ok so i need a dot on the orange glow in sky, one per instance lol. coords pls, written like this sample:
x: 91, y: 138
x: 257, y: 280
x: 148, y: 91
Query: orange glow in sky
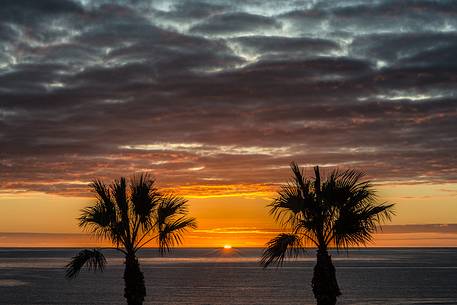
x: 238, y: 219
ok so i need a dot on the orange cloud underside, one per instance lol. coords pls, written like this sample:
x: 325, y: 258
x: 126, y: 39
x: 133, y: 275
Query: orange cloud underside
x: 224, y: 190
x: 80, y: 189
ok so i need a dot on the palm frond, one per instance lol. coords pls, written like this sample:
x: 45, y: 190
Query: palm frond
x: 144, y: 198
x: 307, y: 226
x: 298, y: 176
x: 356, y: 226
x: 170, y: 234
x: 384, y: 212
x: 170, y: 206
x: 350, y: 230
x: 93, y: 260
x: 349, y: 179
x: 295, y: 200
x: 119, y: 190
x: 287, y: 206
x: 102, y: 192
x: 346, y: 188
x: 101, y: 220
x: 363, y: 195
x: 282, y: 246
x: 103, y: 213
x: 317, y: 181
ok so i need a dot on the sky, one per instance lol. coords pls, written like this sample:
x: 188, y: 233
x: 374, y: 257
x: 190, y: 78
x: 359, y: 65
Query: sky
x: 216, y: 98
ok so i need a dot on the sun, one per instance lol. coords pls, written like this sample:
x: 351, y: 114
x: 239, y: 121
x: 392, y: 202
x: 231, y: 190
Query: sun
x: 227, y: 247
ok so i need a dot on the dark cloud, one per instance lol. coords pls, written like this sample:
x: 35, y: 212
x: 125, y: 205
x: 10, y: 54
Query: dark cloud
x: 235, y: 23
x: 286, y: 47
x: 374, y: 17
x: 197, y: 92
x: 193, y: 10
x: 426, y: 48
x: 429, y: 228
x: 26, y: 11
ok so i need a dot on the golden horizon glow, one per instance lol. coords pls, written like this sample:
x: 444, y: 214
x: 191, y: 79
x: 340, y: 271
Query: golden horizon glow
x: 73, y: 240
x: 237, y: 219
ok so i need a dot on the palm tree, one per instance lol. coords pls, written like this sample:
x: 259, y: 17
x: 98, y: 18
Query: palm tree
x: 340, y: 211
x: 131, y: 216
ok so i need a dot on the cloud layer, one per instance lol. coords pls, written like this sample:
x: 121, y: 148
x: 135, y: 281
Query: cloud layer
x: 225, y: 92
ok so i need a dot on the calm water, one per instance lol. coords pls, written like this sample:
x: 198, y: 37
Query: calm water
x: 212, y: 276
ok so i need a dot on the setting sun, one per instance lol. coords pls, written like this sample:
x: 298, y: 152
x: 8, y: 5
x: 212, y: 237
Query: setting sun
x: 227, y: 247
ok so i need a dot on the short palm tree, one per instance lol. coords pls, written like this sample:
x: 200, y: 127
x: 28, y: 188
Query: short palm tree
x: 339, y: 211
x: 131, y: 216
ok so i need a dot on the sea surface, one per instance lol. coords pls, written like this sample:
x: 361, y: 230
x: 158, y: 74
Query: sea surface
x: 218, y: 276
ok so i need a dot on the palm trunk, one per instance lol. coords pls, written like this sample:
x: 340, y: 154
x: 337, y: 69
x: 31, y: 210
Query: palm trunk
x: 134, y: 290
x: 325, y: 286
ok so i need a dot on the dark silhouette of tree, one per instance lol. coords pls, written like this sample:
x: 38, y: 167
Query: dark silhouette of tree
x: 131, y: 216
x: 339, y: 211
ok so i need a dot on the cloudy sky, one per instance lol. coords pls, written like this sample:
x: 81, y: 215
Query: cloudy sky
x: 216, y: 98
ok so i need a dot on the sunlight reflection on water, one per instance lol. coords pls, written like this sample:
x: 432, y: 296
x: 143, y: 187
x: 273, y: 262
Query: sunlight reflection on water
x: 11, y: 283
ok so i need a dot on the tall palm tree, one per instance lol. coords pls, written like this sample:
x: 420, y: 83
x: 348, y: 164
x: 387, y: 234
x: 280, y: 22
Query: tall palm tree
x: 131, y: 216
x: 340, y: 211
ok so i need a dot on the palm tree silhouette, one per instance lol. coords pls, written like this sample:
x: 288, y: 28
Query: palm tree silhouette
x: 131, y: 216
x: 340, y: 211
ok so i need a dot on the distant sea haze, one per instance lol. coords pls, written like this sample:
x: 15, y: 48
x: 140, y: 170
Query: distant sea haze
x: 420, y: 235
x: 217, y: 276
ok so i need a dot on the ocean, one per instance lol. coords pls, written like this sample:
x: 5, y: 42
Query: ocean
x: 217, y: 276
